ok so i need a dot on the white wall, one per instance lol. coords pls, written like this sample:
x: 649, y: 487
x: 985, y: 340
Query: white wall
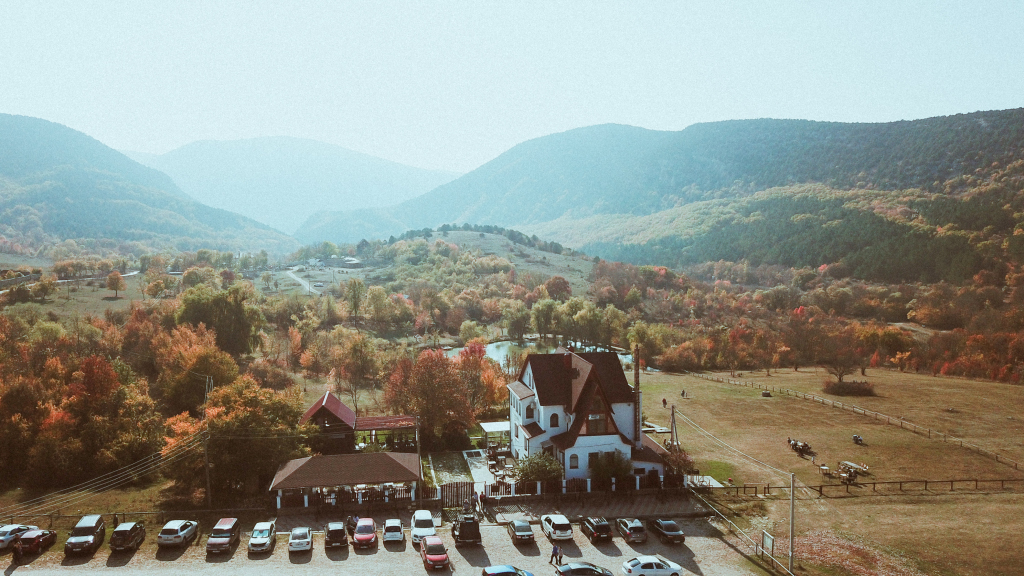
x: 587, y: 444
x: 623, y: 416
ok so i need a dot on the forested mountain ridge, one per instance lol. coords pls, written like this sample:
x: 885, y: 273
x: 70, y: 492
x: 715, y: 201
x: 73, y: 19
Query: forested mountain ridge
x: 59, y: 184
x: 282, y: 181
x: 652, y: 197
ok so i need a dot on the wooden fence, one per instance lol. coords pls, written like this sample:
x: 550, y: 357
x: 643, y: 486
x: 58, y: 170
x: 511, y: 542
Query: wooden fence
x: 873, y: 414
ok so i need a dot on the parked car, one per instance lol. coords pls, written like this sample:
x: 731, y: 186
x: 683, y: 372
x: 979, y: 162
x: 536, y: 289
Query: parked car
x: 466, y: 530
x: 365, y: 535
x: 504, y: 570
x: 596, y: 528
x: 263, y: 537
x: 35, y: 541
x: 556, y: 527
x: 11, y: 531
x: 393, y: 531
x: 519, y: 531
x: 226, y: 533
x: 650, y: 566
x: 422, y: 526
x: 433, y: 552
x: 127, y: 536
x: 631, y: 530
x: 300, y: 539
x: 318, y: 284
x: 178, y: 533
x: 667, y: 530
x: 335, y: 535
x: 581, y: 569
x: 87, y: 535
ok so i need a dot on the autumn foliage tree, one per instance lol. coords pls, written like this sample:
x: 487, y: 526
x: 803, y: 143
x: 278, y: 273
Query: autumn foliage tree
x: 116, y: 283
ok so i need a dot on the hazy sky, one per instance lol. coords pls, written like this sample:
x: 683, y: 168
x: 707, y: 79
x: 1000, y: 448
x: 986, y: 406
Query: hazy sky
x: 451, y: 85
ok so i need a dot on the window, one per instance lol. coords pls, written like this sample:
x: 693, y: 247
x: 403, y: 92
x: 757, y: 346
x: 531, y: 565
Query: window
x: 529, y: 412
x: 574, y: 461
x: 517, y: 431
x: 597, y: 424
x: 592, y: 459
x: 554, y: 421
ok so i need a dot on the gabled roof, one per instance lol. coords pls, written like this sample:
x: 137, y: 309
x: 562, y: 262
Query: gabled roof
x: 532, y: 430
x: 347, y: 470
x: 553, y: 377
x: 333, y: 405
x: 520, y: 390
x: 651, y: 451
x: 385, y: 422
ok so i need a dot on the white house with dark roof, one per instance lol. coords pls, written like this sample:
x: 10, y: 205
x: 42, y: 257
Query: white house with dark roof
x: 576, y: 406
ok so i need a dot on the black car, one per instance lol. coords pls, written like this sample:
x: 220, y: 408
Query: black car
x: 596, y: 528
x: 87, y: 535
x: 519, y: 531
x: 127, y: 536
x: 581, y: 569
x: 335, y: 534
x: 466, y: 530
x: 667, y: 531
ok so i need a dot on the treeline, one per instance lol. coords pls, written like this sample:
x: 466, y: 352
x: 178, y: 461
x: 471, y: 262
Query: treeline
x: 514, y: 236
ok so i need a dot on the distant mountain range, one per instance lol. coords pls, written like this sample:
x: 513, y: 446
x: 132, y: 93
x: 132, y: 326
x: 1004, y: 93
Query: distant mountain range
x: 60, y: 184
x: 644, y: 195
x: 282, y: 181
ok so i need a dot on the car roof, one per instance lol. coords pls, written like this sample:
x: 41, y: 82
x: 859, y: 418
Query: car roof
x: 504, y: 568
x: 519, y: 523
x: 262, y: 525
x: 32, y: 532
x: 12, y: 526
x: 125, y: 526
x: 175, y: 524
x: 556, y: 517
x: 645, y: 559
x: 392, y: 522
x: 89, y: 520
x: 422, y: 514
x: 226, y: 523
x: 366, y: 521
x: 630, y: 521
x: 432, y: 540
x: 298, y: 529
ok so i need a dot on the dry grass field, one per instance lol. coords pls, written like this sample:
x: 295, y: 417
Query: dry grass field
x: 885, y: 532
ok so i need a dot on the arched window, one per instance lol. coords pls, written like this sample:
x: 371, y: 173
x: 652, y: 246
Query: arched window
x: 554, y: 421
x: 529, y: 412
x: 574, y: 461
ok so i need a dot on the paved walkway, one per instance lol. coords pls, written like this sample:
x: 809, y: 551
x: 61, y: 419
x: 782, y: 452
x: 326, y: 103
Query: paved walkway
x: 477, y: 460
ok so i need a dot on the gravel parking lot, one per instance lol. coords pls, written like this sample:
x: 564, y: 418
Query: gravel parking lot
x: 705, y: 552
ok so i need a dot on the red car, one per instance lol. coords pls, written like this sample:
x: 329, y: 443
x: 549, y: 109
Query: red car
x: 433, y: 552
x: 365, y: 534
x: 34, y: 541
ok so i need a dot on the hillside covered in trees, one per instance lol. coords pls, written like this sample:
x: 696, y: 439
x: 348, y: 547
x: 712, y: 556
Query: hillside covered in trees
x: 57, y: 184
x: 788, y: 192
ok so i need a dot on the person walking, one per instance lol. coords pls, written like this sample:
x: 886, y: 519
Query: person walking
x: 664, y: 402
x: 559, y: 555
x: 18, y: 551
x: 555, y: 551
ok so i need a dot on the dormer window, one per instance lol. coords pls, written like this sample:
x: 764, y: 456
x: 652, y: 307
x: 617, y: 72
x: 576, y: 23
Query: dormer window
x: 554, y: 421
x: 529, y: 412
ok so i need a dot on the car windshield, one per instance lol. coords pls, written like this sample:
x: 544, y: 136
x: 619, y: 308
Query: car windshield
x: 636, y: 529
x: 392, y: 528
x: 261, y: 533
x: 634, y: 562
x: 670, y: 527
x: 523, y: 528
x: 220, y: 533
x: 435, y: 548
x: 424, y: 522
x: 78, y: 531
x: 364, y: 529
x: 169, y: 532
x: 602, y: 528
x: 300, y: 534
x: 119, y: 534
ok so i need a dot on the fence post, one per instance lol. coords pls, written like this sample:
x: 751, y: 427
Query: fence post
x: 613, y: 484
x: 588, y: 484
x: 538, y: 488
x: 563, y: 486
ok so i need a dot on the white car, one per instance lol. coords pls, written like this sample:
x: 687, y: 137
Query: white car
x: 556, y: 527
x: 263, y: 537
x: 178, y: 533
x: 422, y: 526
x: 393, y: 531
x: 318, y: 284
x: 11, y: 531
x: 650, y: 566
x: 301, y: 539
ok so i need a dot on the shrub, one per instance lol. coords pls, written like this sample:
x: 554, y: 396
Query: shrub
x: 850, y: 388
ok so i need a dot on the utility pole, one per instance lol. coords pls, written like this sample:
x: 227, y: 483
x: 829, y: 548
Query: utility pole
x: 792, y: 517
x: 206, y: 444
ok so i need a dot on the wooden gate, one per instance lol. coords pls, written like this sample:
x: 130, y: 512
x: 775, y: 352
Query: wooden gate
x: 453, y: 494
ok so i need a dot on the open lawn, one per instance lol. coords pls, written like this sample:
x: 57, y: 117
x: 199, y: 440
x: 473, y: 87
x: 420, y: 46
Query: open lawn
x: 450, y: 467
x: 885, y: 526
